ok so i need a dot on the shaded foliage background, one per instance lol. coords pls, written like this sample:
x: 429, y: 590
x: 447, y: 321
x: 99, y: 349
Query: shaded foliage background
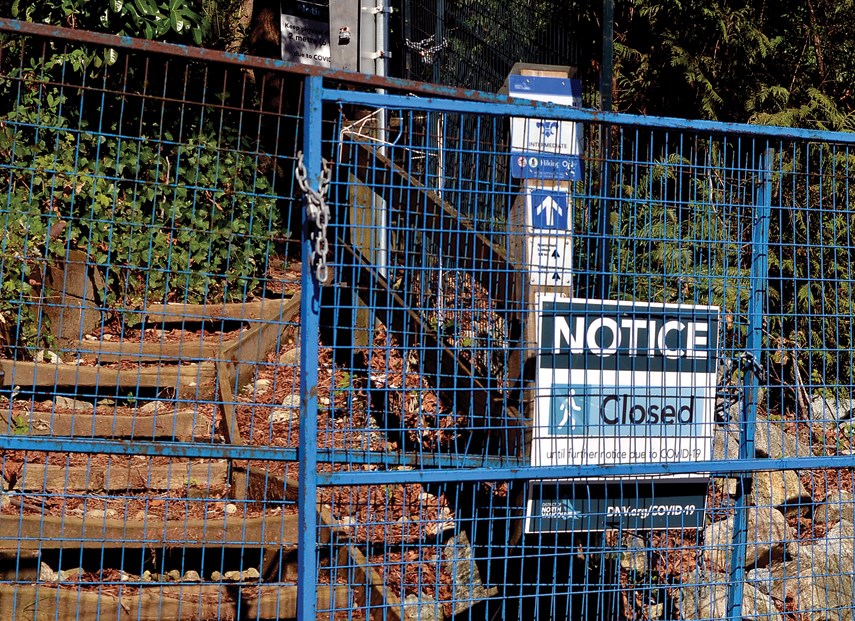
x: 144, y: 165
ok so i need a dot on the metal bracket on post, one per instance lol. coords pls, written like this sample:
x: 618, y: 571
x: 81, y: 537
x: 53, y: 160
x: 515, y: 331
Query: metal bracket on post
x: 380, y: 8
x: 752, y: 376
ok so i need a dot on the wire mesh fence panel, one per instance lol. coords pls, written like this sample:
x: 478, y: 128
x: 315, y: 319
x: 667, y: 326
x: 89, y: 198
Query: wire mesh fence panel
x: 440, y: 39
x: 149, y: 324
x: 475, y: 391
x: 467, y: 356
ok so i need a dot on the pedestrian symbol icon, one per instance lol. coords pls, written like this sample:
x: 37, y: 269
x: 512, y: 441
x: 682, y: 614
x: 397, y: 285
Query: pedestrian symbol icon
x: 568, y: 413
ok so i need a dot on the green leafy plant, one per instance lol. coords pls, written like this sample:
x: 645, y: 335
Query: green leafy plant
x: 20, y: 425
x: 170, y: 207
x: 170, y: 19
x: 342, y: 382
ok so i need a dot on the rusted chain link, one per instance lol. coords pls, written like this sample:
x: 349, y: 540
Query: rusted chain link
x: 317, y: 214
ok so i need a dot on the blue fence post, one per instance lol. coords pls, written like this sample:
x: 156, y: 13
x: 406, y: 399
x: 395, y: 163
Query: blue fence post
x: 310, y: 306
x: 751, y: 375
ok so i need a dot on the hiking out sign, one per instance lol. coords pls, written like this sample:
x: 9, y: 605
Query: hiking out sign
x: 624, y: 383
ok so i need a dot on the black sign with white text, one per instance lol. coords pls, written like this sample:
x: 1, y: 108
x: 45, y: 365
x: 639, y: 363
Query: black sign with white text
x: 582, y: 335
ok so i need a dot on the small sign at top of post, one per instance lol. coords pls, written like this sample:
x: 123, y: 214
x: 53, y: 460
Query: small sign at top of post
x: 546, y: 148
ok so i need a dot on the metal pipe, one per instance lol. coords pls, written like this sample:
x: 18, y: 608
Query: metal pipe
x: 381, y: 32
x: 753, y: 347
x: 310, y: 305
x: 604, y: 243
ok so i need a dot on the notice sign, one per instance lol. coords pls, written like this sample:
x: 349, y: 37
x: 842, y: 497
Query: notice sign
x: 546, y: 148
x: 624, y: 382
x: 305, y: 33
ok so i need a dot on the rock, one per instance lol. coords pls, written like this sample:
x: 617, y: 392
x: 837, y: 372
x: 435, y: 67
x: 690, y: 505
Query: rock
x: 231, y: 508
x: 726, y: 442
x: 283, y: 416
x: 292, y: 401
x: 147, y: 576
x: 79, y: 407
x: 761, y: 579
x: 819, y: 583
x: 768, y: 535
x: 140, y: 516
x: 730, y: 487
x: 47, y: 356
x: 705, y: 596
x: 633, y: 556
x: 421, y: 608
x: 152, y: 407
x: 46, y: 574
x: 173, y: 575
x: 216, y: 576
x: 290, y: 357
x: 444, y: 522
x: 262, y: 386
x: 71, y: 575
x: 781, y: 489
x: 466, y: 584
x: 726, y: 446
x: 101, y: 514
x: 656, y: 611
x: 770, y: 440
x: 839, y: 505
x: 241, y: 576
x: 830, y: 411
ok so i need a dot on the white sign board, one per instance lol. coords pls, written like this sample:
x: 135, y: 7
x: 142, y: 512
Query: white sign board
x: 546, y: 148
x: 549, y: 223
x: 305, y: 34
x: 624, y: 382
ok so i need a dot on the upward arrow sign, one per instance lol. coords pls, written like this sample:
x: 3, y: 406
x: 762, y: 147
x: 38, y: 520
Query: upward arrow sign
x: 551, y: 206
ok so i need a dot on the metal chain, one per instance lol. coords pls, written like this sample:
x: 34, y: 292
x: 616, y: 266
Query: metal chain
x: 425, y: 49
x: 317, y: 213
x: 747, y: 359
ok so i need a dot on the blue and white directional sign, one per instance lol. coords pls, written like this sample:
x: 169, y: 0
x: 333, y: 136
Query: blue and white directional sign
x: 549, y: 209
x: 549, y: 249
x: 546, y: 148
x: 624, y: 382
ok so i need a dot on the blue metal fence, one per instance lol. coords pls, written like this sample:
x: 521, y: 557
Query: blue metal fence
x: 205, y: 417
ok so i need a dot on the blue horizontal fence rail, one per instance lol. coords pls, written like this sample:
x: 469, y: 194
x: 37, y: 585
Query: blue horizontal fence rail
x: 195, y: 426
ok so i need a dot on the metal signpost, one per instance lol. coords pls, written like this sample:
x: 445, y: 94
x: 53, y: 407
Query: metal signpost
x: 622, y: 383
